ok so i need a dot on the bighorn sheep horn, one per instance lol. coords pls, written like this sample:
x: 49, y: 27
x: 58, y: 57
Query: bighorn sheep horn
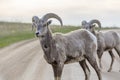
x: 95, y: 21
x: 35, y: 19
x: 52, y: 15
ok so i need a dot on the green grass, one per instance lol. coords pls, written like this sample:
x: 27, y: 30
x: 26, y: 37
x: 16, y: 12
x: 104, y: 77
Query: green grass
x: 9, y: 39
x: 64, y: 29
x: 13, y: 32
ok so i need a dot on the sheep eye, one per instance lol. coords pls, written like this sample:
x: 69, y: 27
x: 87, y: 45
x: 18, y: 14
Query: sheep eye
x: 45, y: 46
x: 44, y: 25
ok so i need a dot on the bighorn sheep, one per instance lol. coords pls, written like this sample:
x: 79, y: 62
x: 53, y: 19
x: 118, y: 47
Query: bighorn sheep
x: 60, y: 49
x: 106, y: 41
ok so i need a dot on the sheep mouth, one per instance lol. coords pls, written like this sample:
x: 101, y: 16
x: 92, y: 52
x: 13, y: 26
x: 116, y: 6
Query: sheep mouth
x: 42, y: 36
x: 45, y: 46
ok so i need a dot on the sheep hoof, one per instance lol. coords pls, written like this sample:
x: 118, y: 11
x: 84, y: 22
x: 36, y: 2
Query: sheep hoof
x: 109, y: 70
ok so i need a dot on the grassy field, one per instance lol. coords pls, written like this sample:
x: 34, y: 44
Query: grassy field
x: 14, y: 32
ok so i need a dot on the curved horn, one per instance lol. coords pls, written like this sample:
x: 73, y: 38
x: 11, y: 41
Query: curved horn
x: 52, y: 15
x: 95, y: 21
x: 35, y: 20
x: 84, y: 22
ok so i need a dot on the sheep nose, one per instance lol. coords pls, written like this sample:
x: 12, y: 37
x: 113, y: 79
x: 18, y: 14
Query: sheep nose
x: 37, y: 33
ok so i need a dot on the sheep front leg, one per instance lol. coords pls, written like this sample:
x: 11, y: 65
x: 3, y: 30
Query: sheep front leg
x: 85, y: 69
x: 57, y: 69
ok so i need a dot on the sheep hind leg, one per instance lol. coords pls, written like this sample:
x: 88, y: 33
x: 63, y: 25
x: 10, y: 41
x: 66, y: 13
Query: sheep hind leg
x: 100, y: 56
x: 117, y: 49
x: 92, y: 61
x: 113, y: 58
x: 85, y: 69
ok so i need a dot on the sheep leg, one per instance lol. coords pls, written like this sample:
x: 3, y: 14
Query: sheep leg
x: 57, y: 69
x: 100, y: 56
x: 93, y: 63
x: 113, y: 57
x: 85, y: 69
x: 117, y: 48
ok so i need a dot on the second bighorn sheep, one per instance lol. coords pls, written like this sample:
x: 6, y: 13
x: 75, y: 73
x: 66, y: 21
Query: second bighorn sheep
x: 106, y: 40
x: 60, y: 49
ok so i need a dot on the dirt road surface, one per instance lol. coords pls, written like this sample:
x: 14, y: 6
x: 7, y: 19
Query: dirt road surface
x: 24, y: 61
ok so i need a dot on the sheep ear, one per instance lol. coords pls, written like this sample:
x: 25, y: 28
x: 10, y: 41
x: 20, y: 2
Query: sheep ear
x: 47, y: 23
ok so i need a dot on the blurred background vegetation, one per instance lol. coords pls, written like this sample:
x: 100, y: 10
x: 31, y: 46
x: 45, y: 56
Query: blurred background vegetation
x: 11, y: 32
x: 14, y: 32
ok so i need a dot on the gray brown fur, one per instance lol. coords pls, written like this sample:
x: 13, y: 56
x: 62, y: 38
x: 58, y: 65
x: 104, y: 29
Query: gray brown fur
x: 75, y: 46
x: 106, y: 42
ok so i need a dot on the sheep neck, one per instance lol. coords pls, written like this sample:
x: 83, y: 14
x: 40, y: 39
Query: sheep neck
x: 94, y: 32
x: 46, y: 40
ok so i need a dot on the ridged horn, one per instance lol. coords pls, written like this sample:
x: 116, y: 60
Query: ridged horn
x: 84, y: 22
x: 52, y: 15
x: 95, y: 21
x: 35, y: 20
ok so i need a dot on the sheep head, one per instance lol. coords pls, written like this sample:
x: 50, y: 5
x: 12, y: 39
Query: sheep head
x: 42, y: 24
x: 85, y: 25
x: 91, y: 25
